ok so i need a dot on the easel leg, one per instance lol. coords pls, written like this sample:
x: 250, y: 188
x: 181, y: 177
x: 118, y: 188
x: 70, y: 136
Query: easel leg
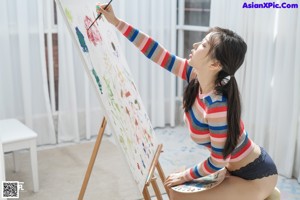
x: 92, y: 160
x: 162, y: 177
x: 146, y: 193
x: 156, y: 189
x: 151, y: 179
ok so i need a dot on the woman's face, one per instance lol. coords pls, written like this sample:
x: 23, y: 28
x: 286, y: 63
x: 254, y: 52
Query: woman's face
x: 199, y: 57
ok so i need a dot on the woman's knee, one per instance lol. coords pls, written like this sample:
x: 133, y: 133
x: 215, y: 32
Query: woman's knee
x: 173, y: 195
x: 176, y: 195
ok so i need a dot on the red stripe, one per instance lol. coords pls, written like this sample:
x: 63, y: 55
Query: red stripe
x: 128, y: 30
x: 217, y: 109
x: 207, y: 168
x: 217, y: 156
x: 214, y: 155
x: 218, y: 135
x: 192, y: 174
x: 146, y: 47
x: 242, y: 150
x: 165, y: 60
x: 202, y: 105
x: 198, y: 132
x: 183, y: 75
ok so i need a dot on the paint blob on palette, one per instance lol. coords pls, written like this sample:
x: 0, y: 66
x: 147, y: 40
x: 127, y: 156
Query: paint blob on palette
x: 201, y: 184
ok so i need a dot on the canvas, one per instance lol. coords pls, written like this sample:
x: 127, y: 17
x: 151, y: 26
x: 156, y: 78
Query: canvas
x: 107, y: 69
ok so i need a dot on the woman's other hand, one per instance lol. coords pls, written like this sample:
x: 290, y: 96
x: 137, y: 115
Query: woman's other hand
x: 108, y: 13
x: 175, y: 179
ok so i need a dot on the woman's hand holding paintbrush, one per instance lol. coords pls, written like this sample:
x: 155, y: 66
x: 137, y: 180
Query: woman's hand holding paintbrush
x: 108, y: 12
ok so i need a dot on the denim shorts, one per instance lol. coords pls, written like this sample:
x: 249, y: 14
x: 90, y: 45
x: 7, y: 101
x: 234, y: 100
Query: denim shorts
x: 263, y: 166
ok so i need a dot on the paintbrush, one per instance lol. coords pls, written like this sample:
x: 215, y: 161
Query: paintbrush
x: 99, y: 15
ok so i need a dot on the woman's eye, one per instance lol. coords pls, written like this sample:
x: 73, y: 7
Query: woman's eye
x: 197, y: 45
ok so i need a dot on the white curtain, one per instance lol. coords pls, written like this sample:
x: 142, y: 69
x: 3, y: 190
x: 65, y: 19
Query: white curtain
x: 80, y: 113
x: 23, y: 78
x: 269, y: 80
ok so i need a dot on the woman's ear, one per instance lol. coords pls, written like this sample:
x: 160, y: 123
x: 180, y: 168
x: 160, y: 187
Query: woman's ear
x: 216, y: 65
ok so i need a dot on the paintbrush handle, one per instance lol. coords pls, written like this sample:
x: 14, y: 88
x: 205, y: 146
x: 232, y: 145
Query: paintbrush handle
x: 99, y: 14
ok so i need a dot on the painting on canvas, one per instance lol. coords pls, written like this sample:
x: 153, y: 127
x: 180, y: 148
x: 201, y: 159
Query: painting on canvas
x: 110, y: 74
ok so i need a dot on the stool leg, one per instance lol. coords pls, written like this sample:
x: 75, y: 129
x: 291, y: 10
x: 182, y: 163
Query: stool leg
x: 34, y: 167
x: 15, y: 160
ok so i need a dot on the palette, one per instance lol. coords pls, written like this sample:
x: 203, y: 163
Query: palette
x: 203, y: 183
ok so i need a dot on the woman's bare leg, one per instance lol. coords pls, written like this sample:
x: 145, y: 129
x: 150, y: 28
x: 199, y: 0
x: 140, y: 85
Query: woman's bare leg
x: 233, y: 188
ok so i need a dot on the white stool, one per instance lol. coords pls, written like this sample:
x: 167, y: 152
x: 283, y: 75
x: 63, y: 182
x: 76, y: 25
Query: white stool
x: 16, y: 136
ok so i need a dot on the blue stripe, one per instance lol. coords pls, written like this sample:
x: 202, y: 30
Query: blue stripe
x: 245, y: 141
x: 212, y: 166
x: 197, y: 172
x: 218, y: 128
x: 209, y: 100
x: 152, y: 50
x: 205, y: 144
x: 198, y: 123
x: 134, y: 35
x: 171, y: 63
x: 246, y: 137
x: 216, y: 149
x: 224, y: 99
x: 188, y: 73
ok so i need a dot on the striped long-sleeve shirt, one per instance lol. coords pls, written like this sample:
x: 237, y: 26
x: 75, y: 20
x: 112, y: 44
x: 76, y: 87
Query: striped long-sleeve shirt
x: 206, y: 120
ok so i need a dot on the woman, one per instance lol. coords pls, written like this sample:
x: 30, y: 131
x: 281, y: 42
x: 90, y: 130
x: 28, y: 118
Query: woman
x: 212, y: 112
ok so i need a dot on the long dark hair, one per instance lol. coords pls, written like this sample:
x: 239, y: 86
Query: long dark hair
x: 229, y: 49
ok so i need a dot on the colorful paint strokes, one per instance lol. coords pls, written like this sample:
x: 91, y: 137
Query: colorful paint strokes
x: 81, y: 40
x: 97, y: 80
x: 93, y: 33
x: 109, y: 72
x: 68, y: 15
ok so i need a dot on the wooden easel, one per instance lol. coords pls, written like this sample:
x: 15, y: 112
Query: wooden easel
x: 150, y: 180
